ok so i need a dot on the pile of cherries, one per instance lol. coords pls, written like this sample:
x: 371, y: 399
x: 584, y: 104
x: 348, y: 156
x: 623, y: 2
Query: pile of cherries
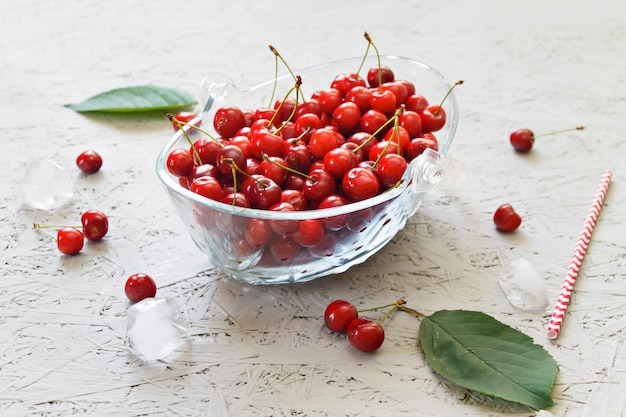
x: 347, y: 143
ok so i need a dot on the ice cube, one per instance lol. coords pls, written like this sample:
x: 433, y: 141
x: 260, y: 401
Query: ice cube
x: 46, y: 185
x: 523, y: 286
x: 155, y: 329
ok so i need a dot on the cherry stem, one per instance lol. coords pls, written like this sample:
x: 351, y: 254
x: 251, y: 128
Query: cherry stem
x: 279, y: 56
x: 234, y: 173
x: 560, y: 131
x: 393, y: 306
x: 446, y: 96
x: 43, y: 227
x: 369, y: 43
x: 380, y: 72
x: 193, y: 147
x: 235, y: 168
x: 411, y: 311
x: 198, y: 128
x: 303, y: 134
x: 396, y: 126
x: 265, y: 157
x: 293, y: 112
x: 180, y: 127
x: 52, y: 226
x: 396, y: 303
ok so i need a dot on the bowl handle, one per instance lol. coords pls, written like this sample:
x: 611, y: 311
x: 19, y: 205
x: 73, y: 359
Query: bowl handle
x: 433, y: 170
x: 215, y: 87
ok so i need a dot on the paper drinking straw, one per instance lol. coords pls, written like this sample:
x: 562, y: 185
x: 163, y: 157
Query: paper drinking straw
x: 577, y: 258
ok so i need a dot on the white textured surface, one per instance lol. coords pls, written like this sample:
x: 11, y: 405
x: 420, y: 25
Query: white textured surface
x: 263, y: 350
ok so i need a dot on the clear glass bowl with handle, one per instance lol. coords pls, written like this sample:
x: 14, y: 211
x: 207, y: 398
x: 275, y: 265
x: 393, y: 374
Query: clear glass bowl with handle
x: 353, y: 232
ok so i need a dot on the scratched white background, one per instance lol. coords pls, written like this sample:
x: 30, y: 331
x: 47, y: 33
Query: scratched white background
x: 264, y: 351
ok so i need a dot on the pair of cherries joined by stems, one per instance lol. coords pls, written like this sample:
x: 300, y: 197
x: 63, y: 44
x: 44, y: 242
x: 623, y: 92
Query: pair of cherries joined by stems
x: 71, y: 239
x: 364, y: 334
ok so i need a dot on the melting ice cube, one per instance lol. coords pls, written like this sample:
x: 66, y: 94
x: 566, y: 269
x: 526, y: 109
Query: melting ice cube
x: 523, y: 286
x: 46, y: 185
x: 154, y: 329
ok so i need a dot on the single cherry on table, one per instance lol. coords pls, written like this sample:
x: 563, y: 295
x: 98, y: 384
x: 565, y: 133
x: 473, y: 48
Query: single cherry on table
x: 89, y: 162
x: 523, y: 140
x: 140, y: 286
x: 506, y: 218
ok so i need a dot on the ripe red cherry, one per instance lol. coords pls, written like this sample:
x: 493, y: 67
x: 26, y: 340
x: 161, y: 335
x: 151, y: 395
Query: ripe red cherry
x: 322, y: 141
x: 365, y: 335
x: 140, y: 286
x: 284, y: 248
x: 236, y: 199
x: 310, y: 232
x: 184, y: 117
x: 433, y: 118
x: 306, y: 124
x: 180, y: 162
x: 208, y: 187
x: 417, y: 146
x: 339, y: 221
x: 347, y: 116
x: 258, y: 232
x: 398, y: 135
x: 371, y: 121
x: 226, y: 157
x: 228, y: 120
x: 522, y: 140
x: 262, y: 191
x: 391, y: 168
x: 360, y: 96
x: 399, y: 89
x: 206, y: 149
x: 284, y: 227
x: 416, y: 103
x: 329, y: 100
x: 360, y: 183
x: 353, y: 80
x: 202, y: 171
x: 311, y: 106
x: 284, y: 108
x: 294, y: 197
x: 264, y: 142
x: 95, y: 224
x: 412, y: 122
x: 506, y: 218
x: 70, y: 240
x: 383, y: 101
x: 274, y: 167
x: 298, y: 156
x: 377, y: 76
x: 319, y: 184
x: 382, y: 148
x: 339, y: 314
x: 338, y: 161
x: 89, y: 162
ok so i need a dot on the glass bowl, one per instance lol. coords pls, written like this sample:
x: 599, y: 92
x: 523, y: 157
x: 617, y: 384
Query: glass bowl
x: 354, y: 231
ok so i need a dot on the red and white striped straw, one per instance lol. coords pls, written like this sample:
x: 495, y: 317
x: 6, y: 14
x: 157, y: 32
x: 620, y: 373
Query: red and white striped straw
x: 577, y: 258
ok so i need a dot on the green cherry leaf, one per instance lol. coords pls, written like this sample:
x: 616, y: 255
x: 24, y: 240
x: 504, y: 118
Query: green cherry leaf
x: 140, y: 98
x: 478, y: 352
